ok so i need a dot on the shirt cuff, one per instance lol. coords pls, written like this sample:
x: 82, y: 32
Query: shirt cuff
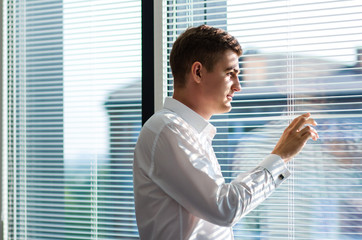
x: 276, y: 167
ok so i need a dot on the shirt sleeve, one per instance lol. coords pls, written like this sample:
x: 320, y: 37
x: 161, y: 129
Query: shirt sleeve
x: 173, y: 169
x: 276, y: 167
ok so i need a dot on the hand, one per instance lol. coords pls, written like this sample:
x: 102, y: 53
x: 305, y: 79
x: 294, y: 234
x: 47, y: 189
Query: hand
x: 295, y: 136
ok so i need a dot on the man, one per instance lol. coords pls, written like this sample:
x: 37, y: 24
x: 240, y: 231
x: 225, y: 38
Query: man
x: 179, y: 190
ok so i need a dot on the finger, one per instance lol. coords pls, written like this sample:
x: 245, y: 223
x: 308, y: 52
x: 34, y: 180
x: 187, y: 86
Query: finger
x: 311, y: 121
x: 300, y: 121
x: 295, y: 120
x: 309, y: 131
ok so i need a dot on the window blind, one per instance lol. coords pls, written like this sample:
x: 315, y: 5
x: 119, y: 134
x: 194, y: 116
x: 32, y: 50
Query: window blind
x: 74, y: 113
x: 298, y: 57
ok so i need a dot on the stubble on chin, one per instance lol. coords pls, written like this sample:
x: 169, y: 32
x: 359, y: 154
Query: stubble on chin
x: 226, y: 107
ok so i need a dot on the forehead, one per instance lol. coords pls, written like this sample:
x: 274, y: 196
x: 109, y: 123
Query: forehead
x: 228, y: 60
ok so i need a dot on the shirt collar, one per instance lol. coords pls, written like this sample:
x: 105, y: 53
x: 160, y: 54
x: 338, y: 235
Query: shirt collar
x: 194, y: 119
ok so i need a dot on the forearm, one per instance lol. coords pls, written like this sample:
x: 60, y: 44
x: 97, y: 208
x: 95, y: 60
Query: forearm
x: 251, y: 188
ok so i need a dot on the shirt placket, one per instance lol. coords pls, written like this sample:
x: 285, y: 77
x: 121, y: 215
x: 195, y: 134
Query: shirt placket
x: 207, y: 142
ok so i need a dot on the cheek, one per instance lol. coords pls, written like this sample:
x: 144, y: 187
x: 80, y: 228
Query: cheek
x: 227, y: 84
x: 218, y: 86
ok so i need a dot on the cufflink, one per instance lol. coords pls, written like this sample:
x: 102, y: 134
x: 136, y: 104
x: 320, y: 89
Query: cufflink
x: 281, y: 177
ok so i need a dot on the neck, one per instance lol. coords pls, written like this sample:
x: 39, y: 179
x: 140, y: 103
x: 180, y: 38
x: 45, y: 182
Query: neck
x: 191, y: 100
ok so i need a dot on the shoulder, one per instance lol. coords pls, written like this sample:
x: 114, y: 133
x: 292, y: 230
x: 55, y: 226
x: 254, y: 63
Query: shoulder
x: 164, y: 119
x: 164, y: 124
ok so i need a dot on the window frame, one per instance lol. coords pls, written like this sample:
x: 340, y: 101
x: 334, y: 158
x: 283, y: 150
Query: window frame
x: 153, y: 73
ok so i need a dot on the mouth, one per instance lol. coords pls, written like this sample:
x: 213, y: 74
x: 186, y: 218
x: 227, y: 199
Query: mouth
x: 229, y: 97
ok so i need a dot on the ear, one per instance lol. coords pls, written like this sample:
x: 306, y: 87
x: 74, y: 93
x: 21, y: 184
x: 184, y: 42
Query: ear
x: 196, y: 71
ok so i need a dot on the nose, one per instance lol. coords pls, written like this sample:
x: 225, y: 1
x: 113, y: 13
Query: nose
x: 236, y: 86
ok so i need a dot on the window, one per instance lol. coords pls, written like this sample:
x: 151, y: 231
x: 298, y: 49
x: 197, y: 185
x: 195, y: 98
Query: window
x: 298, y: 57
x: 74, y: 113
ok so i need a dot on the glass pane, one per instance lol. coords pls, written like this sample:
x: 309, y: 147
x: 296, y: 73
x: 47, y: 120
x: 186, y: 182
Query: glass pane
x: 298, y: 57
x: 75, y: 113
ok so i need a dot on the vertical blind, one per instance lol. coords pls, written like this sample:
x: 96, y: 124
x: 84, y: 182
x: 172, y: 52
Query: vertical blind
x: 299, y: 56
x: 74, y: 113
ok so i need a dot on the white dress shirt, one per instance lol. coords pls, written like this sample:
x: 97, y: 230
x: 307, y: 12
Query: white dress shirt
x: 179, y: 190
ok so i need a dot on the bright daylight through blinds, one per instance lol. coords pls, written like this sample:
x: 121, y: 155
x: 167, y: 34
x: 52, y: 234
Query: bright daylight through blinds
x: 299, y: 56
x: 74, y: 113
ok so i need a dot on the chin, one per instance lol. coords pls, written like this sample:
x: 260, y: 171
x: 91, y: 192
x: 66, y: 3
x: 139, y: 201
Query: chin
x: 228, y: 106
x: 226, y: 109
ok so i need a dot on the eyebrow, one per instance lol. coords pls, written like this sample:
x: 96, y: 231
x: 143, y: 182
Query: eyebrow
x: 237, y: 70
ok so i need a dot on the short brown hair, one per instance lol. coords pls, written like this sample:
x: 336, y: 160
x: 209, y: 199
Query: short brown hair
x: 204, y: 44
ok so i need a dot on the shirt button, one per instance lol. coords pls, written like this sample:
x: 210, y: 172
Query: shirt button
x: 281, y: 177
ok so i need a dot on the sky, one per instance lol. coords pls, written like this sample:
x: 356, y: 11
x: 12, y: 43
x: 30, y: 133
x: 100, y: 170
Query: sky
x: 101, y: 54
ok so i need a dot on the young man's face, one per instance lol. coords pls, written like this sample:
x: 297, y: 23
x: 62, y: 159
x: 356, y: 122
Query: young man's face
x: 220, y: 84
